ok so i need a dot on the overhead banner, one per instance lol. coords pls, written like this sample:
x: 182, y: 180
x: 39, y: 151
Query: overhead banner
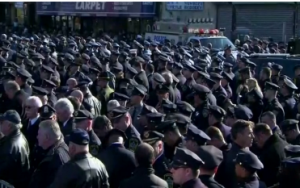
x: 171, y: 6
x: 114, y: 9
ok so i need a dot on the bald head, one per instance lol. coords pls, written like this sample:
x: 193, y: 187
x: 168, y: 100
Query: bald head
x: 72, y: 82
x: 77, y: 94
x: 144, y: 154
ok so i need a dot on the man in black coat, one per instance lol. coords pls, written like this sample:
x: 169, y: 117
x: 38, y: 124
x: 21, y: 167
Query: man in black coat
x: 64, y: 112
x: 14, y: 151
x: 51, y: 140
x: 119, y: 162
x: 272, y: 153
x: 144, y: 176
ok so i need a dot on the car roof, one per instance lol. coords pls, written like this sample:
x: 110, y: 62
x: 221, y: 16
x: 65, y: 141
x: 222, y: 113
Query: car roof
x: 205, y: 37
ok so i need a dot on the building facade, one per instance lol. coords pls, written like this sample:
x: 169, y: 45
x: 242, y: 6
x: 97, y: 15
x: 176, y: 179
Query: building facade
x: 262, y: 20
x: 96, y: 16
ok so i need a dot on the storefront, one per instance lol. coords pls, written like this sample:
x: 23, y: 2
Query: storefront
x: 96, y: 16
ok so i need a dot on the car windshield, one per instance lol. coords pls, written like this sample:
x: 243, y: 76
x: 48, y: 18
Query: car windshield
x: 217, y: 43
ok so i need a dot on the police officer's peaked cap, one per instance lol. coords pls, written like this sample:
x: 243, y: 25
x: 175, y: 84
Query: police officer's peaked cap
x: 116, y: 45
x: 215, y: 76
x: 289, y: 124
x: 85, y: 56
x: 38, y: 56
x: 47, y: 69
x: 277, y: 67
x: 166, y: 126
x: 200, y: 89
x: 69, y: 57
x: 48, y: 83
x: 104, y: 75
x: 185, y: 107
x: 46, y: 50
x: 155, y: 117
x: 227, y: 76
x: 83, y: 83
x: 242, y: 112
x: 162, y: 88
x: 182, y: 120
x: 115, y: 52
x: 83, y: 115
x: 249, y: 161
x: 119, y: 111
x: 290, y: 84
x: 121, y: 96
x: 22, y: 72
x: 115, y: 132
x: 291, y: 162
x: 211, y: 156
x: 39, y: 91
x: 217, y: 111
x: 292, y: 151
x: 189, y: 67
x: 158, y: 78
x: 53, y: 60
x: 228, y: 65
x: 154, y: 43
x: 271, y: 86
x: 46, y: 111
x: 185, y: 158
x: 169, y: 108
x: 79, y: 137
x: 151, y: 137
x: 117, y: 67
x: 131, y: 70
x: 227, y: 47
x: 30, y: 80
x: 178, y: 65
x: 93, y: 70
x: 216, y: 70
x: 139, y: 90
x: 197, y: 135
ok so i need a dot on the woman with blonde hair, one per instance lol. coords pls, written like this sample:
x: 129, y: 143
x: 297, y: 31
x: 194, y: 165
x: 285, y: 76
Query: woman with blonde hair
x: 252, y: 83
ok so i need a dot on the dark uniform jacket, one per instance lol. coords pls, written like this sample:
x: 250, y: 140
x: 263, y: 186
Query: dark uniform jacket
x: 144, y: 178
x: 275, y: 107
x: 251, y: 182
x: 134, y: 138
x: 170, y: 150
x: 95, y: 143
x: 200, y: 116
x: 296, y: 141
x: 141, y: 78
x: 82, y: 171
x: 119, y: 163
x: 193, y: 183
x: 14, y: 159
x: 161, y: 168
x: 210, y: 182
x: 271, y: 157
x: 30, y: 132
x: 221, y: 96
x: 56, y: 156
x: 226, y: 172
x: 288, y: 103
x: 68, y: 127
x: 27, y: 89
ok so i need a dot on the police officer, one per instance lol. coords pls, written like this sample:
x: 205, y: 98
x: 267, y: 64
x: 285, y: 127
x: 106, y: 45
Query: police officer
x: 105, y: 91
x: 212, y: 158
x: 195, y: 138
x: 119, y: 161
x: 161, y: 164
x: 291, y: 131
x: 191, y: 163
x: 47, y: 112
x: 272, y: 103
x: 216, y: 117
x: 121, y: 120
x: 21, y: 78
x: 289, y: 176
x: 84, y: 120
x: 81, y: 165
x: 185, y: 108
x: 200, y: 115
x: 288, y: 101
x: 249, y: 162
x: 144, y: 175
x: 228, y: 55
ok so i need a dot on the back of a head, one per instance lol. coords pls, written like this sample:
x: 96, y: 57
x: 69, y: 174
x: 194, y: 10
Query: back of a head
x: 112, y: 104
x: 144, y: 155
x: 77, y: 94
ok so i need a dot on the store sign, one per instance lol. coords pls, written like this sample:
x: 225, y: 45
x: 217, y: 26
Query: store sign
x: 184, y: 6
x: 128, y: 9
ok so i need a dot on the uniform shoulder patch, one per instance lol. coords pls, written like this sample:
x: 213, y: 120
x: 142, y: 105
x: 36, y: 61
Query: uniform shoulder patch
x: 169, y: 179
x: 133, y: 143
x: 94, y: 150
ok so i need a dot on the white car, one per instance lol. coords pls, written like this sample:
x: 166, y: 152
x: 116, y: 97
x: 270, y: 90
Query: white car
x: 218, y: 42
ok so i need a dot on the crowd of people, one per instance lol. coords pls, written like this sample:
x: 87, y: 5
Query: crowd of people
x: 90, y: 113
